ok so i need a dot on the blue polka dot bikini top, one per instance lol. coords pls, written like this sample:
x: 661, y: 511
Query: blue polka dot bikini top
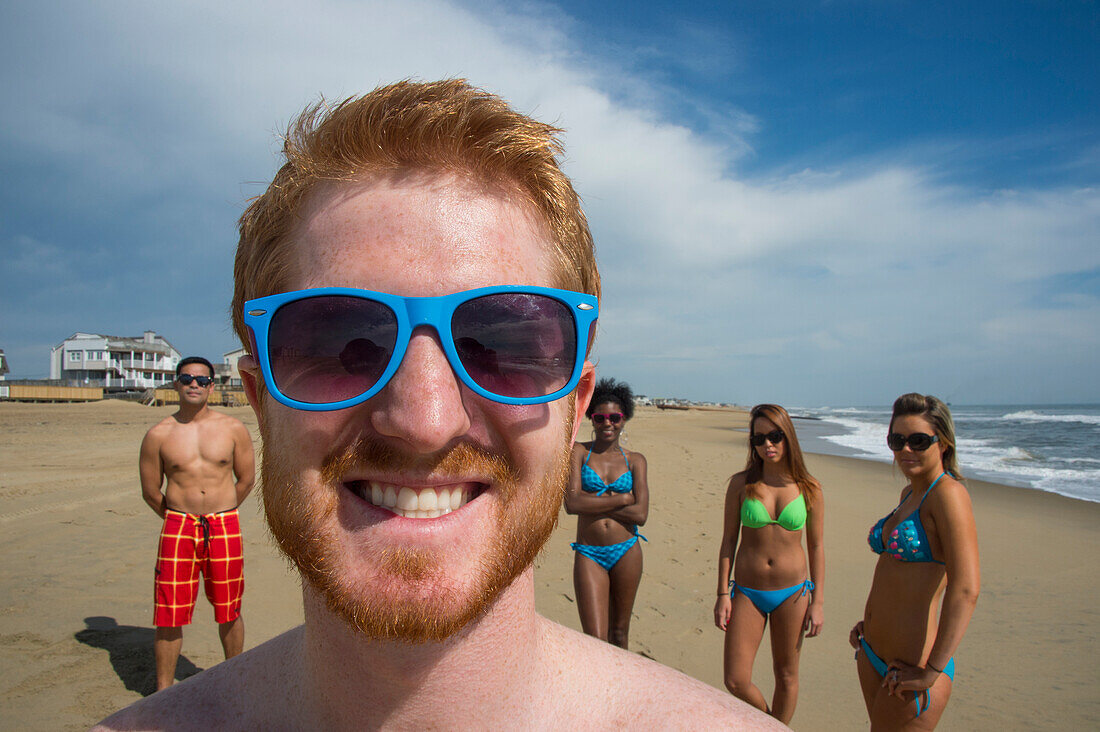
x: 591, y: 482
x: 908, y: 541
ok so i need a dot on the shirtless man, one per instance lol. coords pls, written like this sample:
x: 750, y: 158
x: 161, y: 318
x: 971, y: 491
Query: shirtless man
x: 417, y: 424
x: 206, y: 458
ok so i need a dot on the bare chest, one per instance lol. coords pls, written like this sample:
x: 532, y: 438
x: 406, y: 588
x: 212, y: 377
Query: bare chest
x: 197, y: 448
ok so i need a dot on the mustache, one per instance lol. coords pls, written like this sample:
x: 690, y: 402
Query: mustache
x: 464, y: 458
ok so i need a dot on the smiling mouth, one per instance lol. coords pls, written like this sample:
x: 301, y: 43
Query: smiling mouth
x: 418, y: 503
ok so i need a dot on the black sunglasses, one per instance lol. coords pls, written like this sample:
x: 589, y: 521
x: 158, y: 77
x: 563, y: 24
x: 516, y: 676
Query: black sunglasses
x: 186, y: 380
x: 918, y: 441
x: 774, y: 437
x: 613, y: 418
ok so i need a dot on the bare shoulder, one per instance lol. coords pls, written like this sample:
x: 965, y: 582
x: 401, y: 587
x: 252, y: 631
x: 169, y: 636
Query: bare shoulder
x: 249, y: 691
x: 951, y: 496
x: 635, y: 458
x: 616, y: 688
x: 159, y: 431
x: 737, y: 483
x: 226, y: 421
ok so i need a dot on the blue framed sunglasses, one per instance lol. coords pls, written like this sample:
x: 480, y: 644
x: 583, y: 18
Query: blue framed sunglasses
x: 334, y: 347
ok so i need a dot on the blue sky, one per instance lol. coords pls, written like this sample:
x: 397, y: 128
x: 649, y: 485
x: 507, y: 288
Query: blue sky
x: 811, y: 203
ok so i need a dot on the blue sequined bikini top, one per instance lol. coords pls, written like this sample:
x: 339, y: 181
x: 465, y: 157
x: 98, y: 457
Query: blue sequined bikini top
x: 591, y: 482
x: 908, y: 541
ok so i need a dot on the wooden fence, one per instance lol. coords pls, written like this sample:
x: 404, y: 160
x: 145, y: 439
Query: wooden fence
x: 40, y: 393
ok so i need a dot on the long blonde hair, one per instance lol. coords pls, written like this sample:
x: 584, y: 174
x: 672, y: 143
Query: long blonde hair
x: 793, y: 463
x: 936, y: 412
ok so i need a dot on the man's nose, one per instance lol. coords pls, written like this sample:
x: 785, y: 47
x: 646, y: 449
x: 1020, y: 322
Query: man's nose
x: 422, y: 404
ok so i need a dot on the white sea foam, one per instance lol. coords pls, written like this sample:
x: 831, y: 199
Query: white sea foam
x: 1082, y: 484
x: 1086, y: 461
x: 1031, y: 416
x: 867, y: 438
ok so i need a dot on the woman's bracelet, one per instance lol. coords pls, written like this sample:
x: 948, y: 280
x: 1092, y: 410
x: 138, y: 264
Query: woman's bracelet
x: 928, y: 664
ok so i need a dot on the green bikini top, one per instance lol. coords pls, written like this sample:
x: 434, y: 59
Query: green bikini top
x: 791, y: 518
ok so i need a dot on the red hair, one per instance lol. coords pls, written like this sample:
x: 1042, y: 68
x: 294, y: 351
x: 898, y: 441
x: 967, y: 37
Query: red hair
x: 435, y: 127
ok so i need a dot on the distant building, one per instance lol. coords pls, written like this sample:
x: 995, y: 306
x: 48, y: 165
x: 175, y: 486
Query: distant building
x: 90, y: 359
x: 227, y: 372
x: 4, y: 370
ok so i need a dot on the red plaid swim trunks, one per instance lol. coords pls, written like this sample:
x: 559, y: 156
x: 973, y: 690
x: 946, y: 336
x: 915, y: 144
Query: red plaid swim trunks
x: 190, y: 544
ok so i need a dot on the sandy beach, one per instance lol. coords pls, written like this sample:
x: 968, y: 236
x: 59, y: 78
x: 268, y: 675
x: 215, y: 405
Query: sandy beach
x: 79, y: 543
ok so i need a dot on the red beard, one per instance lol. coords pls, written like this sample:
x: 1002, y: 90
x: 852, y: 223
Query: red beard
x: 305, y: 528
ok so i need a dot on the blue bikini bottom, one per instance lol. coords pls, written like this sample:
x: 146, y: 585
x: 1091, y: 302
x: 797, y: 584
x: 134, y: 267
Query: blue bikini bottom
x: 608, y: 556
x: 881, y: 668
x: 767, y: 601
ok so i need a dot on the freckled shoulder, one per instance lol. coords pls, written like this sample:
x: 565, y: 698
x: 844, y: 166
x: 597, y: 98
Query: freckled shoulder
x: 250, y: 691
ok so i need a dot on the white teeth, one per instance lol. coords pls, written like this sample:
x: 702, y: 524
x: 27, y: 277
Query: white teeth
x: 429, y: 501
x: 406, y: 499
x: 425, y: 503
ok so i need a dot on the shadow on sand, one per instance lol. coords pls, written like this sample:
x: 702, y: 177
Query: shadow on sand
x: 131, y: 652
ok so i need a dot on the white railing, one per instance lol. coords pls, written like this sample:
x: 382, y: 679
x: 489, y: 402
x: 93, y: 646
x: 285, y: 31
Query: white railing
x: 147, y: 365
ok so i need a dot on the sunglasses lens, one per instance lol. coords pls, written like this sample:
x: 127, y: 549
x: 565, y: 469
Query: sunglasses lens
x: 895, y: 441
x: 774, y: 437
x: 615, y: 418
x: 919, y: 441
x: 331, y: 348
x: 516, y: 344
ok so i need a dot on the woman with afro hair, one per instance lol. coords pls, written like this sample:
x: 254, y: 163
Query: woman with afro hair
x: 609, y: 495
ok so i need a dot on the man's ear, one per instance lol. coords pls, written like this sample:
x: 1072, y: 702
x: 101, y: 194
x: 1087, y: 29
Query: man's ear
x: 250, y: 376
x: 585, y: 387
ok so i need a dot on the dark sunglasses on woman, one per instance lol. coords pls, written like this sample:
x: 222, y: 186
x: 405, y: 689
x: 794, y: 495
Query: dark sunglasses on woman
x: 613, y: 418
x: 918, y: 441
x: 774, y: 437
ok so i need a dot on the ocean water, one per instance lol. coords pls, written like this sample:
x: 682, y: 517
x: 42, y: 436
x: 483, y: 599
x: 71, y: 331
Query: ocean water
x: 1048, y: 448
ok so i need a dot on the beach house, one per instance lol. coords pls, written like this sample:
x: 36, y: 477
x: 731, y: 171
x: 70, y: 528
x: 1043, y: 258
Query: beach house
x: 114, y: 362
x: 227, y: 372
